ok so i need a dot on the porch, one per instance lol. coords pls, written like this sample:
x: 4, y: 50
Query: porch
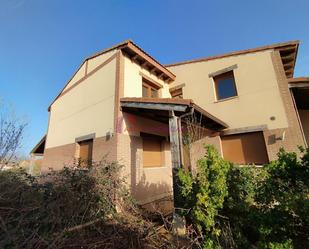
x: 158, y: 130
x: 299, y: 88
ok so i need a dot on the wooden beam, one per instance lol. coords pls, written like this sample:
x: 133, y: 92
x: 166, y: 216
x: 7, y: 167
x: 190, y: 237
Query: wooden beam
x: 288, y: 58
x: 144, y: 64
x: 288, y: 49
x: 288, y: 65
x: 161, y: 76
x: 145, y: 56
x: 155, y: 106
x: 289, y: 71
x: 153, y: 70
x: 134, y: 58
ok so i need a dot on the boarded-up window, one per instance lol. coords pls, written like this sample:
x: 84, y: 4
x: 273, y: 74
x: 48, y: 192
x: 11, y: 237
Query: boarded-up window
x: 85, y: 152
x: 152, y: 151
x: 246, y: 148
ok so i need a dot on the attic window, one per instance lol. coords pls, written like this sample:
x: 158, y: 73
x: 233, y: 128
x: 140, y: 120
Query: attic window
x: 149, y: 89
x: 225, y: 85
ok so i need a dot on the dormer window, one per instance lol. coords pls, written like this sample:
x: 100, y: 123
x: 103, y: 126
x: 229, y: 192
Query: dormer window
x: 150, y: 90
x: 177, y: 94
x: 225, y: 85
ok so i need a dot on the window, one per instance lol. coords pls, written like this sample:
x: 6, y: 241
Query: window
x: 225, y: 85
x: 177, y: 94
x: 152, y: 150
x: 245, y: 148
x: 150, y: 90
x: 85, y: 152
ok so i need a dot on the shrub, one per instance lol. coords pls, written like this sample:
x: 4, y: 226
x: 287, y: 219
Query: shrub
x: 283, y: 200
x: 245, y: 207
x: 204, y: 194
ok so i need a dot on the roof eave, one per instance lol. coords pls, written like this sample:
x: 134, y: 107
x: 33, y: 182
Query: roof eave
x: 234, y: 53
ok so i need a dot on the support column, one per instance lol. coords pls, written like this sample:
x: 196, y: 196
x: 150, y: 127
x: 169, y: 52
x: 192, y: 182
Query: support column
x: 179, y: 227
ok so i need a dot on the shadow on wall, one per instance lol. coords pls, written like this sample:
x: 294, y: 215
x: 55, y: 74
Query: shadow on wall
x: 156, y: 197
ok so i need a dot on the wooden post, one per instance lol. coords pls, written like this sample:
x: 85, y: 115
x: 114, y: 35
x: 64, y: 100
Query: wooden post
x: 179, y: 227
x: 174, y: 139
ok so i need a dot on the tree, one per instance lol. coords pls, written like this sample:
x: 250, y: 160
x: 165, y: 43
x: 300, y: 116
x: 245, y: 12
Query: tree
x: 11, y: 134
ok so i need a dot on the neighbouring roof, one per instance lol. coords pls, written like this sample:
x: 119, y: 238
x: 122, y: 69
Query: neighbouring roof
x: 181, y: 106
x: 287, y: 50
x: 39, y: 147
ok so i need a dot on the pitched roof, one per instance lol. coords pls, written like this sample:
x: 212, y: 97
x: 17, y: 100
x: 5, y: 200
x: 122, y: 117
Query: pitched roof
x: 135, y: 53
x: 140, y: 56
x: 288, y: 52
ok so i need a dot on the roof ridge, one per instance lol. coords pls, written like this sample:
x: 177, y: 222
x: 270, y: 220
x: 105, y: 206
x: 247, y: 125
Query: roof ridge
x: 103, y: 51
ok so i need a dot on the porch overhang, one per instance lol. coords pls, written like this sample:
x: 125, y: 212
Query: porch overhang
x: 159, y: 109
x: 300, y: 89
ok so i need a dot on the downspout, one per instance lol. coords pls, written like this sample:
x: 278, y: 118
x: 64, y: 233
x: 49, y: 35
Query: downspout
x: 180, y: 134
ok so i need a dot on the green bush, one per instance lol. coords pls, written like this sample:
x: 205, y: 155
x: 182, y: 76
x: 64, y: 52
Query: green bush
x: 283, y: 200
x: 204, y: 194
x: 245, y: 207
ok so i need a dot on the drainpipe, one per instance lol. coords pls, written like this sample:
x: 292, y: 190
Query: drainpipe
x: 180, y: 132
x: 179, y: 225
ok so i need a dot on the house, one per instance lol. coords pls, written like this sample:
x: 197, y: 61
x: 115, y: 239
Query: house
x: 124, y: 105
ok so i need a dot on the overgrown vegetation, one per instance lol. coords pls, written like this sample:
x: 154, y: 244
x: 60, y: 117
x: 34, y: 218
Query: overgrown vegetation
x: 225, y: 205
x: 73, y: 208
x: 246, y: 207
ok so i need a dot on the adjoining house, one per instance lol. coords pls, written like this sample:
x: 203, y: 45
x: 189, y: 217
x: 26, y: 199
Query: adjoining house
x: 124, y: 105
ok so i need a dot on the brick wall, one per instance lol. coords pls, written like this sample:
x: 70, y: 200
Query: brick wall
x: 57, y: 157
x: 293, y: 133
x: 197, y: 150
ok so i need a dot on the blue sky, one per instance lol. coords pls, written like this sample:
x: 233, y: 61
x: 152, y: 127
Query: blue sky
x: 42, y: 42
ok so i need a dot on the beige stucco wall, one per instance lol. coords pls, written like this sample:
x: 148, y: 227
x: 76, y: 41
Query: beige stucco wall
x: 133, y: 80
x: 258, y: 93
x: 304, y: 117
x: 98, y: 60
x: 85, y: 109
x: 91, y: 65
